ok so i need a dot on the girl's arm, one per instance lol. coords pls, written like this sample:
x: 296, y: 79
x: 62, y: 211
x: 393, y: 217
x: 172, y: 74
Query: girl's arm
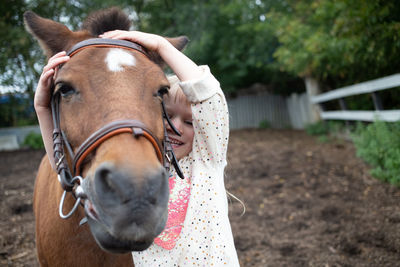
x: 42, y: 102
x: 180, y: 64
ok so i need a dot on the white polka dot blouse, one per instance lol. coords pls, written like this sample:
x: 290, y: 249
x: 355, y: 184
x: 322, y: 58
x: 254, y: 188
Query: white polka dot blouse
x: 205, y: 236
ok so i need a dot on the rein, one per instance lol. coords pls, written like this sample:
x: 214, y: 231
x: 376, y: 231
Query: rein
x: 71, y: 180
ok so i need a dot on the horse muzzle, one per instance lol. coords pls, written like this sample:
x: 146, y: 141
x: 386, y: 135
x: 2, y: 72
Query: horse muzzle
x: 126, y: 212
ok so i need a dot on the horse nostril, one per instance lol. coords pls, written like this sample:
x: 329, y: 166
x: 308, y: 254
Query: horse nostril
x: 157, y: 189
x: 108, y: 183
x: 104, y: 180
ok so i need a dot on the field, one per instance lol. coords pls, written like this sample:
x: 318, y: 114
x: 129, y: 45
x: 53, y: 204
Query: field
x: 307, y: 204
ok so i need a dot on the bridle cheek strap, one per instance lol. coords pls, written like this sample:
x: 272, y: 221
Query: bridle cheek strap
x: 114, y: 128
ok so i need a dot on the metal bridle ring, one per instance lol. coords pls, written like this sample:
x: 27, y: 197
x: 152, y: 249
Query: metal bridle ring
x: 78, y: 200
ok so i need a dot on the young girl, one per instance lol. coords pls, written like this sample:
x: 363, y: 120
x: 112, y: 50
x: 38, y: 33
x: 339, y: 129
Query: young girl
x: 198, y: 232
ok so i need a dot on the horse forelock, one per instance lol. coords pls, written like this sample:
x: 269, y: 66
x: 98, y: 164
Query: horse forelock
x: 106, y: 20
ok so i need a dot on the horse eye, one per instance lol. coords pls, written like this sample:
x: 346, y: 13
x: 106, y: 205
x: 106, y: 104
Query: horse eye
x: 65, y: 89
x: 163, y: 90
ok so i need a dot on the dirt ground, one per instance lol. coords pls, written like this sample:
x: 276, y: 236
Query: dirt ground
x: 307, y: 204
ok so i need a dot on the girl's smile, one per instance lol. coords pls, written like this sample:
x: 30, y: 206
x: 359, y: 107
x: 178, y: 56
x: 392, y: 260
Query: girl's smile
x: 181, y: 116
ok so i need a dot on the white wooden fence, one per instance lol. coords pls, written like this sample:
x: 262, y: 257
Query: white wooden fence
x: 371, y: 87
x: 248, y: 111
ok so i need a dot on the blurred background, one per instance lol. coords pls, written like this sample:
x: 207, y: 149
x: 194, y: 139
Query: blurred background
x: 252, y: 45
x: 313, y: 94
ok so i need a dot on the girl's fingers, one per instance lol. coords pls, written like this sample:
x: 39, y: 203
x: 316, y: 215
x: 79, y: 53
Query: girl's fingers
x: 46, y: 75
x: 149, y: 41
x: 122, y: 35
x: 111, y: 34
x: 54, y: 62
x: 43, y: 90
x: 62, y: 53
x: 45, y: 83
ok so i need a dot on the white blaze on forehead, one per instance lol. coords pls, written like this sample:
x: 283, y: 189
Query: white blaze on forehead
x: 117, y: 58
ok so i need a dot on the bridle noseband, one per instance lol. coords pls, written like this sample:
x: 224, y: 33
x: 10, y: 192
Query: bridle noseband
x: 70, y: 181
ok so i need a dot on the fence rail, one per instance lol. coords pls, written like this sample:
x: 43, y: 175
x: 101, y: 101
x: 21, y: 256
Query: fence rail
x: 371, y: 87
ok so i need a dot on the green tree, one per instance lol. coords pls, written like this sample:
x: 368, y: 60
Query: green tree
x: 21, y: 59
x: 338, y: 42
x: 232, y: 37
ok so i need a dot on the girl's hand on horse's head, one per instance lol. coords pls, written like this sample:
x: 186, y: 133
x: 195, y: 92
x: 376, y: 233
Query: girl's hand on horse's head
x: 43, y: 90
x: 151, y: 42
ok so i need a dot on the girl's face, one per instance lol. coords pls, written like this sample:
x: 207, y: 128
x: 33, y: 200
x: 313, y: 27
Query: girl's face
x: 181, y: 116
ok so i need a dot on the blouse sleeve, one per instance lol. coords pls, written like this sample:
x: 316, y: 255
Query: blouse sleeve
x: 210, y: 119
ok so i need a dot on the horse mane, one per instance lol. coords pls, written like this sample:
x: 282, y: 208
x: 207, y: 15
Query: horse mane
x: 105, y: 20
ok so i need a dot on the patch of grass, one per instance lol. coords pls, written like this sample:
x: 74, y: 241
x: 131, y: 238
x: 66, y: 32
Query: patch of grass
x: 323, y: 139
x: 34, y: 140
x: 325, y: 128
x: 264, y: 124
x: 318, y: 128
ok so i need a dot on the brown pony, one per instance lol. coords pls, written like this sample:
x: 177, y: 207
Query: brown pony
x: 126, y: 186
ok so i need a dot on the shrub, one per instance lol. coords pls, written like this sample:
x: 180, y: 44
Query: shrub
x: 34, y: 140
x: 379, y: 145
x: 318, y: 128
x: 324, y: 127
x: 264, y: 124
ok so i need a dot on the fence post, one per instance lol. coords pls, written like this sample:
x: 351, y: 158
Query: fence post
x: 377, y: 101
x: 312, y: 87
x: 343, y: 106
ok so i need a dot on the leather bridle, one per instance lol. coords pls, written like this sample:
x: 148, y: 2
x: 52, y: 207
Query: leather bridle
x: 70, y: 179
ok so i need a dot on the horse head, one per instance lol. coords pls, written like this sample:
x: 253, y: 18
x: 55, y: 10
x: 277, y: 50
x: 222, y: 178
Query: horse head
x: 125, y: 183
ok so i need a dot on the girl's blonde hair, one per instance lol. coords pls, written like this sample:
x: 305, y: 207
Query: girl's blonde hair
x: 175, y: 91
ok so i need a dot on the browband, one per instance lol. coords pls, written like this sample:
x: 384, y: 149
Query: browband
x: 104, y: 43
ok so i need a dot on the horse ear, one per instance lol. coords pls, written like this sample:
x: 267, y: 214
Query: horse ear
x: 52, y: 36
x: 178, y: 42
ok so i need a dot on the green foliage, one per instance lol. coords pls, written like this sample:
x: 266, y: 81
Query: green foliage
x: 318, y: 128
x: 232, y: 37
x: 324, y: 130
x: 264, y: 124
x: 21, y: 59
x: 323, y: 138
x: 379, y: 145
x: 16, y: 110
x: 338, y: 41
x: 34, y: 140
x: 243, y: 41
